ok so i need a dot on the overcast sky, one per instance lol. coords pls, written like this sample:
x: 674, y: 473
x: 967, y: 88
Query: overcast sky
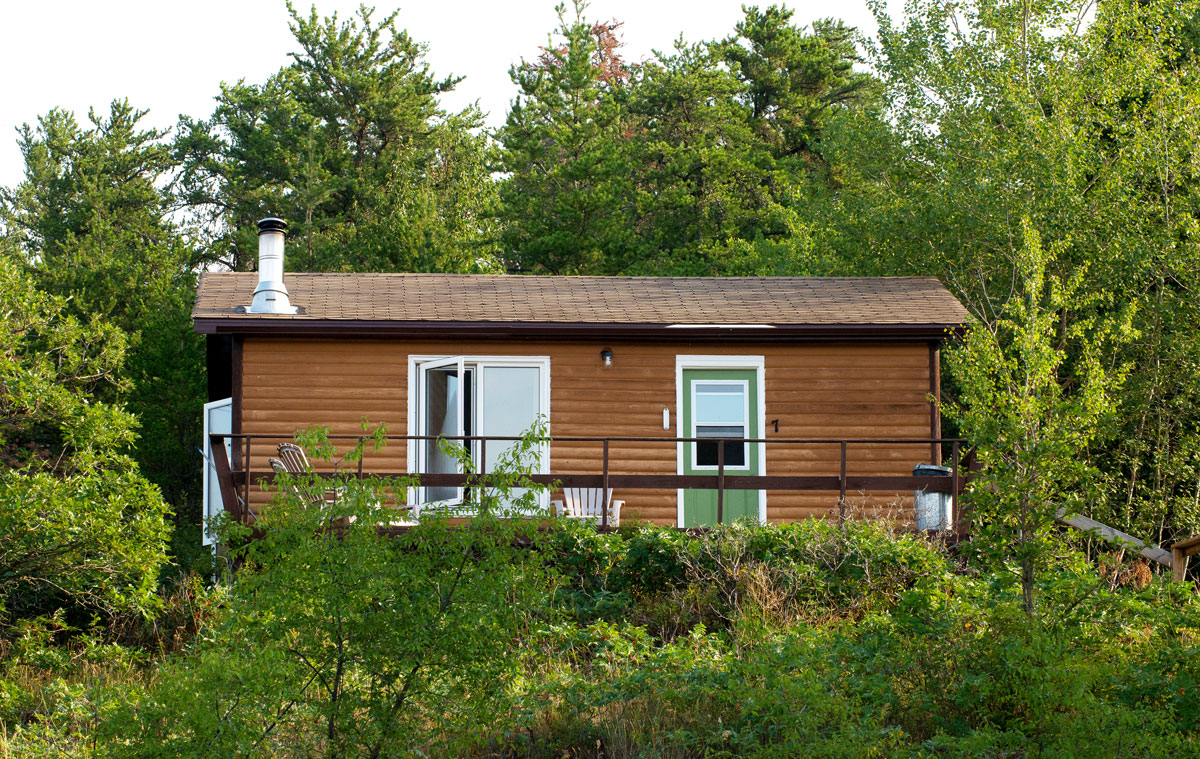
x: 169, y: 56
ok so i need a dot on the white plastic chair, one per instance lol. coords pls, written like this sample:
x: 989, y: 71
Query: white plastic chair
x: 586, y: 503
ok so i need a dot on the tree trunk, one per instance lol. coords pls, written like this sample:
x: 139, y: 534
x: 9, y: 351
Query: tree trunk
x: 1027, y: 586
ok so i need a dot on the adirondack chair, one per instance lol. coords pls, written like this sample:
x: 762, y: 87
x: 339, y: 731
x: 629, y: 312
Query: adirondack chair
x: 314, y: 501
x: 587, y: 503
x: 292, y: 460
x: 281, y: 467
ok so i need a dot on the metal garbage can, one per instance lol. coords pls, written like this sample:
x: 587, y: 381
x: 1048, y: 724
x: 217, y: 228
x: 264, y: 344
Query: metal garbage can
x: 934, y: 510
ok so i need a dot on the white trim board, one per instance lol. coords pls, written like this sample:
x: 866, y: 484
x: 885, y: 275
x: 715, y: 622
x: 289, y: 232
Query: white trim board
x: 756, y: 363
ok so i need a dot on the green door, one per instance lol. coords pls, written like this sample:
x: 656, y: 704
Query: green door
x: 719, y: 403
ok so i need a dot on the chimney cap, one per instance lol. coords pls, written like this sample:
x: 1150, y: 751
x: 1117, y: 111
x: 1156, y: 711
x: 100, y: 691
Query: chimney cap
x: 272, y: 224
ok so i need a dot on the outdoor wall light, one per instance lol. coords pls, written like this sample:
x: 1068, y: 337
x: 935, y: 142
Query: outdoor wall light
x: 606, y: 357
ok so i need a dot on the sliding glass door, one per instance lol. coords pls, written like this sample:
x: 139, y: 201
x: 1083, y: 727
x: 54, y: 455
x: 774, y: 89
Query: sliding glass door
x: 459, y: 396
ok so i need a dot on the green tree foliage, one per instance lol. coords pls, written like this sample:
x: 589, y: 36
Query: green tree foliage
x: 711, y: 198
x: 89, y: 219
x: 348, y: 144
x: 345, y: 641
x: 1082, y: 119
x: 727, y: 146
x: 565, y: 204
x: 1034, y: 413
x: 792, y: 81
x: 80, y: 528
x: 694, y: 163
x: 91, y: 222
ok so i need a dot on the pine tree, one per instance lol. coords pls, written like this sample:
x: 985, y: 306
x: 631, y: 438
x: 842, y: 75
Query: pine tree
x: 566, y: 202
x: 349, y: 145
x: 91, y: 223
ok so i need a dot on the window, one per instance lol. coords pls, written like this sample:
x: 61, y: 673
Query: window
x: 464, y: 396
x: 720, y: 411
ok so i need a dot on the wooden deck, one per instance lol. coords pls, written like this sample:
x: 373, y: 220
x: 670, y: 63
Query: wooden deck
x: 236, y: 478
x: 236, y: 481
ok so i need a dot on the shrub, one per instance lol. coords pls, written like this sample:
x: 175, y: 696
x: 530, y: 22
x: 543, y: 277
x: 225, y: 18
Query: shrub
x: 816, y: 639
x: 187, y: 607
x: 343, y: 640
x: 673, y: 581
x: 80, y: 528
x: 57, y: 684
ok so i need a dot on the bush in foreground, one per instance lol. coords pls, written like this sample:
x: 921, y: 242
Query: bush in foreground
x: 823, y: 641
x: 813, y: 639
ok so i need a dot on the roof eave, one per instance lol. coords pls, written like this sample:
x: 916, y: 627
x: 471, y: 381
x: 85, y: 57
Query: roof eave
x: 291, y: 327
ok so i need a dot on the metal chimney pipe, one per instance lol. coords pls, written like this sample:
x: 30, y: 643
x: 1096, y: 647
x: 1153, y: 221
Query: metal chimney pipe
x: 271, y: 296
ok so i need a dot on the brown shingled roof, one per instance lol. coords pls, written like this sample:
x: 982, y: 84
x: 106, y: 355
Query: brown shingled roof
x: 548, y: 300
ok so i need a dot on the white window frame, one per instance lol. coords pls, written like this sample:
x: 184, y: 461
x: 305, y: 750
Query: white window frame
x: 477, y: 363
x: 745, y: 385
x: 755, y: 363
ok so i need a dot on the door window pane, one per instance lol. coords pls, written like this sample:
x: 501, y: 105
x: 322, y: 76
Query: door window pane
x: 719, y: 387
x: 720, y: 404
x: 509, y: 404
x: 706, y: 452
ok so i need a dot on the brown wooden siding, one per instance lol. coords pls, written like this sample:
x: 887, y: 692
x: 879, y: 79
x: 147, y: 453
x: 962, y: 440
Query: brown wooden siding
x: 818, y: 390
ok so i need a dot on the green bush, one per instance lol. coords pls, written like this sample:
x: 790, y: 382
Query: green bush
x: 342, y: 640
x: 814, y: 639
x: 822, y: 640
x: 673, y: 581
x: 693, y: 698
x: 60, y: 684
x: 81, y: 529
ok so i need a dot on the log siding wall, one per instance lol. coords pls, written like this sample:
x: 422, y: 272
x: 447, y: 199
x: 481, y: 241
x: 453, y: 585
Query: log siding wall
x: 815, y: 390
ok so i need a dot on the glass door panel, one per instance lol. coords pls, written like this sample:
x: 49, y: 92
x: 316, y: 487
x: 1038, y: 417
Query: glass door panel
x: 509, y: 403
x: 445, y: 386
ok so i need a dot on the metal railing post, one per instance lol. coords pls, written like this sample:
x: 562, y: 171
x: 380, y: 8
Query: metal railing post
x: 604, y: 500
x: 362, y: 449
x: 842, y: 483
x: 720, y: 482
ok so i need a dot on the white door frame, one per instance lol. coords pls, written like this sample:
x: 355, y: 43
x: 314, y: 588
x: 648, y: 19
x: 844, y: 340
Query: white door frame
x: 755, y: 363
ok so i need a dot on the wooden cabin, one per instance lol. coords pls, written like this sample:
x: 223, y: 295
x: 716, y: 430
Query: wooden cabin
x: 836, y: 379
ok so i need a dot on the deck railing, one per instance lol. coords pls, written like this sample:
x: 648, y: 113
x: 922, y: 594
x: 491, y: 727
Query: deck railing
x: 235, y: 476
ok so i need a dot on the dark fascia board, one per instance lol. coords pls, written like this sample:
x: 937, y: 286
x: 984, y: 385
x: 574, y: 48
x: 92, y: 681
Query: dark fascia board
x: 268, y: 327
